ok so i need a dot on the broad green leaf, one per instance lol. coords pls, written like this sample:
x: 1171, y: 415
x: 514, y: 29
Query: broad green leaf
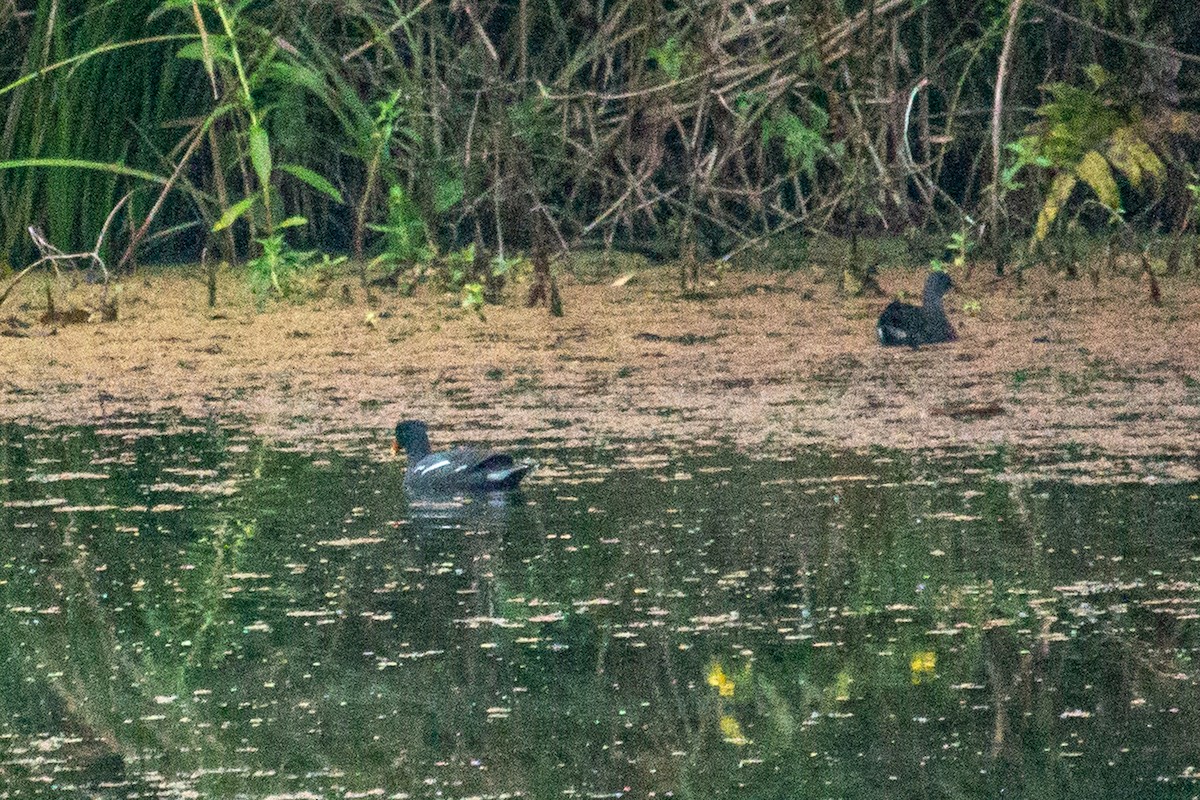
x: 1132, y: 156
x: 1096, y: 173
x: 300, y: 76
x: 1060, y: 190
x: 1073, y: 122
x: 233, y: 212
x: 260, y: 154
x: 313, y: 179
x: 193, y: 51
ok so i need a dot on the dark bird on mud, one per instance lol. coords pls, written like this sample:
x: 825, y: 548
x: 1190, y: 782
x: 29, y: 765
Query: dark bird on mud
x: 904, y: 324
x: 456, y: 471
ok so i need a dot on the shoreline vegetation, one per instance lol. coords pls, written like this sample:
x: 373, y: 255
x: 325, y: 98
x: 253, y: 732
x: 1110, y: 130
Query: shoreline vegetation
x: 761, y: 360
x: 475, y: 136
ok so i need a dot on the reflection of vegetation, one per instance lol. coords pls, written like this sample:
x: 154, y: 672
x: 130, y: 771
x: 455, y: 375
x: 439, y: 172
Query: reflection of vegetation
x: 834, y: 625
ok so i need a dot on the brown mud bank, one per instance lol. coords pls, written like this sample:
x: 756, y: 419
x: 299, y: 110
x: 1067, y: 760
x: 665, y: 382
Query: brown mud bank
x: 766, y: 362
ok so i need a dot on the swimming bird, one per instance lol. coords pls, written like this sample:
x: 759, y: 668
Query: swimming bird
x: 901, y: 323
x: 456, y: 471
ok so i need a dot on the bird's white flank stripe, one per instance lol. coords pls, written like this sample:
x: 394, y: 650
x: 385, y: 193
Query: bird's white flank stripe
x: 435, y: 465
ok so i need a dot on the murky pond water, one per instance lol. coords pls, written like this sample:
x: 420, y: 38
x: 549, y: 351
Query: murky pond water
x: 191, y: 612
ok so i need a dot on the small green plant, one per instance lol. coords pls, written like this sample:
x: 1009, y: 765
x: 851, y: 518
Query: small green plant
x: 457, y: 268
x: 223, y: 58
x: 406, y: 237
x: 670, y: 57
x: 501, y: 266
x: 1025, y: 153
x: 282, y: 271
x: 803, y: 143
x: 374, y: 141
x: 1193, y: 217
x: 500, y: 271
x: 971, y: 307
x: 472, y: 297
x: 476, y: 282
x: 958, y: 248
x: 1022, y: 376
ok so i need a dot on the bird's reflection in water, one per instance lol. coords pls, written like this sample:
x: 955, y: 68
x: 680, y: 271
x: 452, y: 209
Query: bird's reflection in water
x: 465, y: 545
x: 483, y: 512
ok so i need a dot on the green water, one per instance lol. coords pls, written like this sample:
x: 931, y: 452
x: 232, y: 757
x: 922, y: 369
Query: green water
x: 187, y: 611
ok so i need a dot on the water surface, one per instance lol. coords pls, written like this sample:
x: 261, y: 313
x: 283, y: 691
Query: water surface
x: 189, y: 611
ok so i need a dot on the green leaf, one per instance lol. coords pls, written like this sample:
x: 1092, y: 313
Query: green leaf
x: 292, y: 222
x: 80, y: 164
x: 669, y: 57
x: 1096, y: 173
x: 1060, y: 191
x: 801, y: 144
x: 473, y: 296
x: 260, y: 154
x: 1072, y: 123
x: 314, y: 180
x: 300, y: 76
x: 233, y: 212
x: 1132, y: 156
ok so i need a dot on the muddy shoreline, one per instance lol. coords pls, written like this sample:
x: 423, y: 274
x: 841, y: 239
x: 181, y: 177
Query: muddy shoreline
x: 764, y: 361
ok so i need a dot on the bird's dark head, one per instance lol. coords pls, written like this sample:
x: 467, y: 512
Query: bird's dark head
x: 937, y: 284
x: 412, y: 437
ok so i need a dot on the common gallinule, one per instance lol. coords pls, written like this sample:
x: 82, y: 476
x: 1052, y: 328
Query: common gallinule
x: 901, y: 323
x: 462, y: 469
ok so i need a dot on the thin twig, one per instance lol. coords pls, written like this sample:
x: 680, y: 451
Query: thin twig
x: 1120, y: 37
x: 1014, y: 14
x: 17, y: 280
x: 395, y: 26
x: 197, y: 136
